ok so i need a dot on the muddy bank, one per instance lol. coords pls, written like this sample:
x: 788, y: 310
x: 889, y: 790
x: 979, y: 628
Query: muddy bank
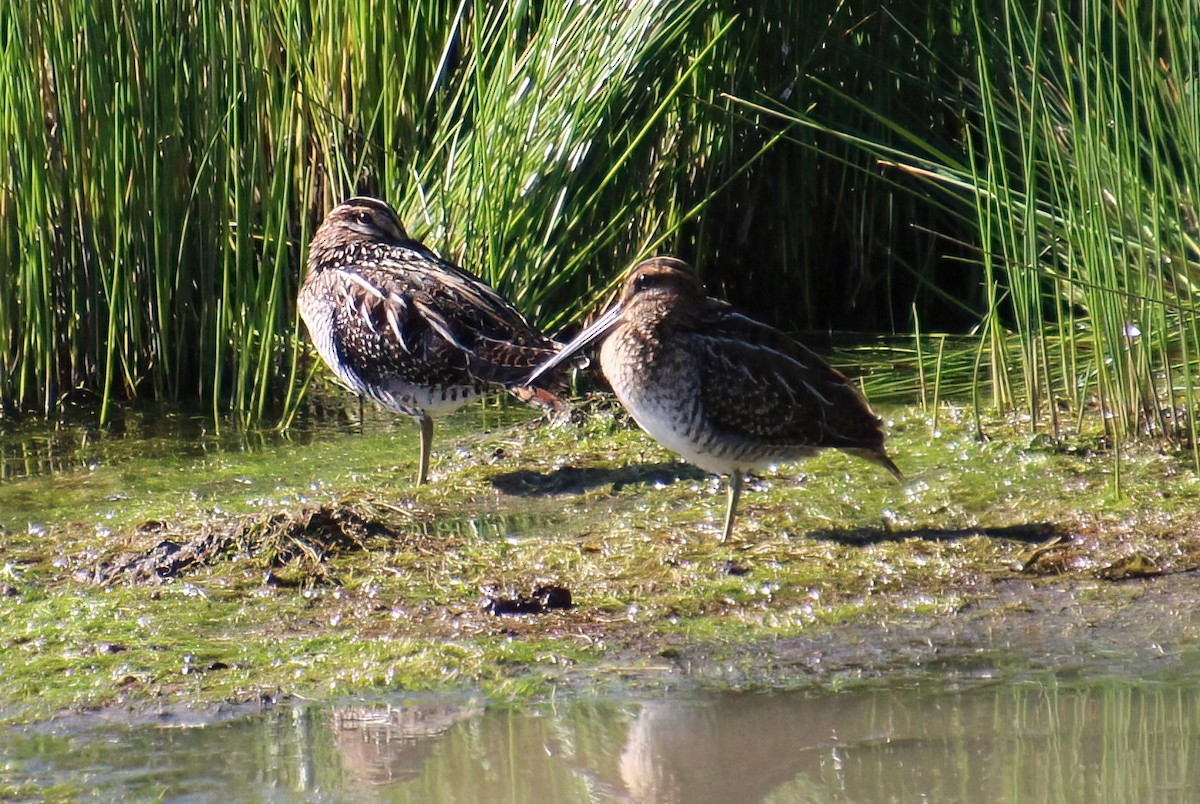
x: 586, y: 556
x: 1076, y: 629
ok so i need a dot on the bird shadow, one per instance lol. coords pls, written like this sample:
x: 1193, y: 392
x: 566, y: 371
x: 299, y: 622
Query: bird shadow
x: 1029, y: 533
x: 578, y: 479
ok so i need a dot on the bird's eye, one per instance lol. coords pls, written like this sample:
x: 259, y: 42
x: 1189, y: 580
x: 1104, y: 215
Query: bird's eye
x: 364, y: 218
x: 643, y: 281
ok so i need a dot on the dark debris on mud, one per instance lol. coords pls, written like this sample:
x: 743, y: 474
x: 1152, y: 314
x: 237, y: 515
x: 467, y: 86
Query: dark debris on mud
x: 545, y: 598
x: 306, y: 539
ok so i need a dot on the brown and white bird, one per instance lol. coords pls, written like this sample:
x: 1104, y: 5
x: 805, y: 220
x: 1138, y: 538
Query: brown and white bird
x: 726, y: 392
x: 414, y: 333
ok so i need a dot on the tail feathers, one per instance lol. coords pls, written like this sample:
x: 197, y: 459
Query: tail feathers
x: 511, y: 363
x: 879, y: 457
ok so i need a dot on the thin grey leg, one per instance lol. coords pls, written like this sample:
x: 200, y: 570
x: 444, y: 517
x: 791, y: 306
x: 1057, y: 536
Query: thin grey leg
x: 426, y: 423
x: 735, y: 491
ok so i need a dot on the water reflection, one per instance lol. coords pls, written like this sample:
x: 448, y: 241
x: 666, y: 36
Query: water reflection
x: 157, y: 458
x: 1100, y: 741
x: 33, y: 447
x: 388, y: 745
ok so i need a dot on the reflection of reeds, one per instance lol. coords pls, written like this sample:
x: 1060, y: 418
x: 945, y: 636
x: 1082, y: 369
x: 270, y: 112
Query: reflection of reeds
x: 1116, y: 740
x: 1025, y: 741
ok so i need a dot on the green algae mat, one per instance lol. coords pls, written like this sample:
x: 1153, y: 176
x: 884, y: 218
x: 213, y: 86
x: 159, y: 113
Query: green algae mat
x: 171, y: 565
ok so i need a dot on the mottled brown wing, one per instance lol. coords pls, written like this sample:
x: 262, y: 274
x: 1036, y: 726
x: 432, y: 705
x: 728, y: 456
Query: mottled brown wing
x: 501, y: 345
x: 760, y: 384
x: 380, y: 337
x: 428, y: 311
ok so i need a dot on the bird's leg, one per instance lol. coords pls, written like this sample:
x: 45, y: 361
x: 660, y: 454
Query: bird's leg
x: 426, y: 423
x: 735, y: 491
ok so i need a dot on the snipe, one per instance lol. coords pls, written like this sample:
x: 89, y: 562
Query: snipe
x: 728, y: 393
x: 412, y: 332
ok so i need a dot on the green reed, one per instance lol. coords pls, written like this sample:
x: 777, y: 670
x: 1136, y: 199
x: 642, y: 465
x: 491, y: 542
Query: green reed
x: 161, y: 169
x: 1093, y: 121
x: 1069, y: 198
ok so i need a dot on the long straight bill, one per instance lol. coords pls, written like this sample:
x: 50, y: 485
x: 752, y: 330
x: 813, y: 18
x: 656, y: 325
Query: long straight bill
x: 598, y: 330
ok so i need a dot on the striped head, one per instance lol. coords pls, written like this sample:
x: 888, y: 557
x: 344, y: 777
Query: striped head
x: 357, y: 220
x: 657, y: 291
x: 660, y: 288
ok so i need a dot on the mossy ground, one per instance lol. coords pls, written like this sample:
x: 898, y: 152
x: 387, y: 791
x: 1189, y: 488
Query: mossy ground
x: 317, y: 570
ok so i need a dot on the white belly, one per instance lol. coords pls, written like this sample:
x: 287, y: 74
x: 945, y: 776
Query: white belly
x: 412, y: 400
x: 669, y: 413
x: 396, y: 395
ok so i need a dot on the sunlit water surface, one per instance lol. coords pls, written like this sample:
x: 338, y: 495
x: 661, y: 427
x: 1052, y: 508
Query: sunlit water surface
x: 1027, y: 741
x: 156, y: 461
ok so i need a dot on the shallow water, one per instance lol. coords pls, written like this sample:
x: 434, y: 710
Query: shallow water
x: 157, y: 461
x: 1034, y: 740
